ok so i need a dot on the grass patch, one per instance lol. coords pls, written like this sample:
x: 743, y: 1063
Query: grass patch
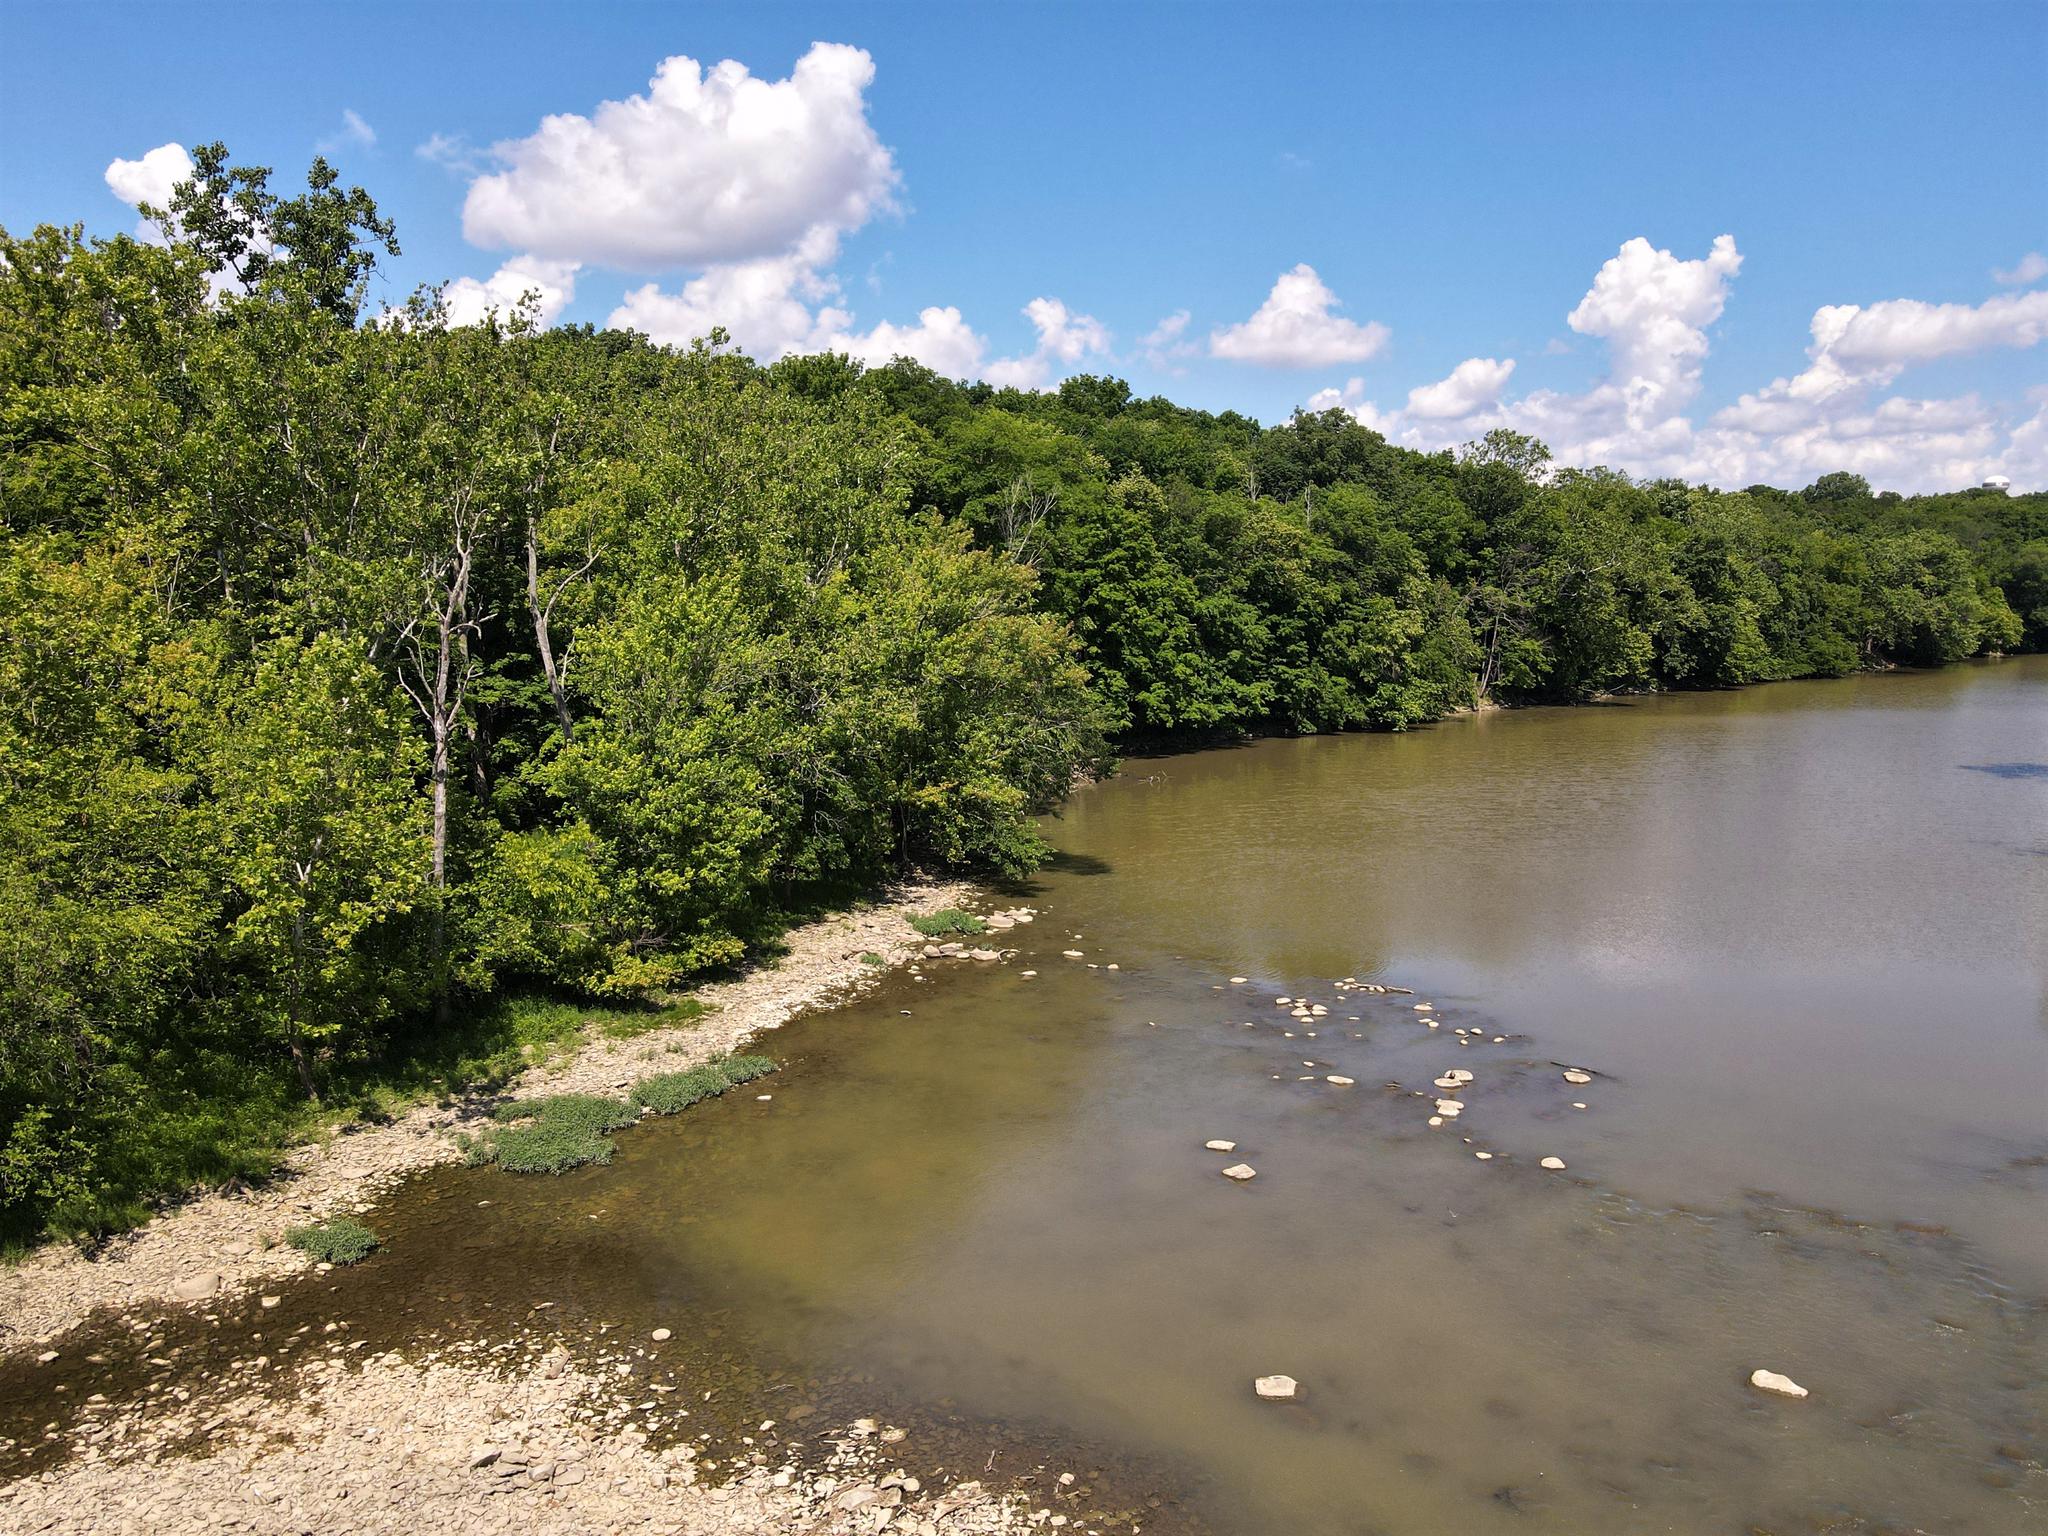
x: 551, y: 1135
x: 869, y: 957
x: 939, y: 925
x: 340, y: 1241
x: 670, y: 1093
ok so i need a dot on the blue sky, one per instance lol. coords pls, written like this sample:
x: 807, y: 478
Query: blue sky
x: 1457, y: 179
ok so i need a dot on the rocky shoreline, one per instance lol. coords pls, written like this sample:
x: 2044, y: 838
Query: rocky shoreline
x: 218, y: 1244
x: 471, y: 1436
x: 472, y: 1439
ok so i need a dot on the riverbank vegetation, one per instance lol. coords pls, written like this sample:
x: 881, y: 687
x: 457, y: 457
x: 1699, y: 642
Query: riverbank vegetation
x: 359, y: 673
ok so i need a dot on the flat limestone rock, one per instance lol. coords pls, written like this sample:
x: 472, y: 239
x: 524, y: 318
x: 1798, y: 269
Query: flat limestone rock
x: 1341, y: 1082
x: 1554, y: 1164
x: 1220, y: 1146
x: 1276, y: 1389
x: 1240, y: 1172
x: 1771, y: 1381
x: 1576, y: 1076
x: 1449, y: 1108
x: 196, y: 1287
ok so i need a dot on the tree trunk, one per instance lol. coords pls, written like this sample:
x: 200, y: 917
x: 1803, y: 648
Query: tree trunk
x: 557, y: 684
x: 293, y: 1037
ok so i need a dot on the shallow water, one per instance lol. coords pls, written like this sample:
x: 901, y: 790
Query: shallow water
x: 1800, y: 936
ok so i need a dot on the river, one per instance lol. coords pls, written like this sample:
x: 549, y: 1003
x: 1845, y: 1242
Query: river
x: 1797, y: 938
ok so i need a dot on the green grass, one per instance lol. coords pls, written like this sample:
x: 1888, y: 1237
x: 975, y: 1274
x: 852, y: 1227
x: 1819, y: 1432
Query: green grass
x: 573, y: 1130
x: 869, y: 957
x: 939, y: 925
x: 340, y: 1241
x: 670, y: 1093
x: 551, y: 1135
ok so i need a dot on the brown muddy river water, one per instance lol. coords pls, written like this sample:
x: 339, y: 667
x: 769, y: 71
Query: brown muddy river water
x: 1799, y: 937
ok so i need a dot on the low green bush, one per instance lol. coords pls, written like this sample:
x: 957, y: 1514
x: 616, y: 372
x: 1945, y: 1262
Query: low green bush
x: 869, y: 957
x: 340, y: 1241
x: 939, y: 925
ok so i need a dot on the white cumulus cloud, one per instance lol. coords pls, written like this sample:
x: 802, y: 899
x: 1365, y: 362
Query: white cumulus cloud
x: 707, y: 168
x: 1652, y: 309
x: 1297, y: 327
x: 470, y: 301
x: 1471, y: 386
x: 1064, y: 338
x: 763, y: 304
x: 2030, y: 268
x: 942, y: 340
x: 150, y: 180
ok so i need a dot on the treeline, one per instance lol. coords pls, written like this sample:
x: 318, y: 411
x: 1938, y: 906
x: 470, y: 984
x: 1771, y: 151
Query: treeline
x: 356, y: 670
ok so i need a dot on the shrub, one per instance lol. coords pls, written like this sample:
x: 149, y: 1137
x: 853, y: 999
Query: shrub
x: 938, y: 925
x: 340, y: 1241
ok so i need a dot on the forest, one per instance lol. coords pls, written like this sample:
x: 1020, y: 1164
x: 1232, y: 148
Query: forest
x: 363, y: 676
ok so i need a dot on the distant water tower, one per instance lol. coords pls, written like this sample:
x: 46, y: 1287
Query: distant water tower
x: 1998, y: 483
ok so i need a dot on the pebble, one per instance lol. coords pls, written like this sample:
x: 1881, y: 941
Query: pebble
x: 1341, y: 1082
x: 1240, y: 1172
x: 1554, y: 1164
x: 1425, y: 1007
x: 267, y: 1302
x: 1576, y: 1076
x: 1276, y: 1389
x: 46, y: 1357
x: 1238, y: 981
x: 1771, y: 1381
x: 1071, y: 954
x: 1484, y: 1157
x: 1450, y: 1109
x: 661, y: 1335
x: 1220, y: 1146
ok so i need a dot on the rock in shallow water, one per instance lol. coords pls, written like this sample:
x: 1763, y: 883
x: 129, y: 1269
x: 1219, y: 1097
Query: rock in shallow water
x: 1220, y: 1146
x: 1276, y: 1389
x: 1240, y: 1172
x: 1771, y: 1381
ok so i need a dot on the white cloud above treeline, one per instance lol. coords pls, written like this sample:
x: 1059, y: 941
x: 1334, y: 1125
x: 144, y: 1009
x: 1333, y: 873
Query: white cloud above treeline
x: 1298, y: 327
x: 1653, y: 309
x: 732, y: 196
